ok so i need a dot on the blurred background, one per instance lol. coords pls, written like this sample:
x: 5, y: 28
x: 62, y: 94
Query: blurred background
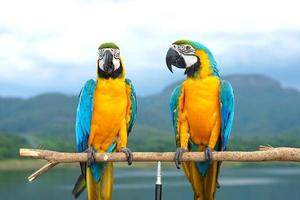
x: 48, y: 49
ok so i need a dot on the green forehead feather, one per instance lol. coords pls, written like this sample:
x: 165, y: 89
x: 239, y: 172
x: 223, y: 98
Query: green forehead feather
x: 108, y: 45
x: 195, y: 45
x: 184, y: 42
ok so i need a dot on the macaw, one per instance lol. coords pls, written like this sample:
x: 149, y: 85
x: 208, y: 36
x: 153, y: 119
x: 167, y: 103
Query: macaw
x: 202, y: 110
x: 105, y: 116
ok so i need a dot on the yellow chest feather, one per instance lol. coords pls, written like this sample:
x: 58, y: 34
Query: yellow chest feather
x: 202, y: 106
x: 110, y: 104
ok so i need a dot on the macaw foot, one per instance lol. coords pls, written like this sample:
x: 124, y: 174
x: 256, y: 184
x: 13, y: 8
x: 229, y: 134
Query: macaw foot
x: 178, y: 156
x: 128, y: 154
x: 208, y: 154
x: 91, y: 154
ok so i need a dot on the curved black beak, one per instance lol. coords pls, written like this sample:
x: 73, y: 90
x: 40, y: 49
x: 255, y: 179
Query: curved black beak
x: 108, y: 62
x: 174, y: 58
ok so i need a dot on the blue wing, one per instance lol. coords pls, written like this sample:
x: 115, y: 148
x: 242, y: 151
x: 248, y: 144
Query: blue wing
x: 174, y: 109
x: 133, y: 106
x: 83, y: 125
x: 227, y: 111
x: 84, y: 115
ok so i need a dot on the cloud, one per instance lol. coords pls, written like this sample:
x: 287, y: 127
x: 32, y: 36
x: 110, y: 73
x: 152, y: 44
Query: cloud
x: 51, y: 45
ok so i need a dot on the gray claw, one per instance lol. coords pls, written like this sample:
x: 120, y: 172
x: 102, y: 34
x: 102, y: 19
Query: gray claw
x: 128, y: 154
x: 178, y: 156
x: 208, y: 154
x: 91, y: 154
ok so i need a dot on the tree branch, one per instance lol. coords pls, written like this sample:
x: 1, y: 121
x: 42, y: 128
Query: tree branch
x: 265, y: 153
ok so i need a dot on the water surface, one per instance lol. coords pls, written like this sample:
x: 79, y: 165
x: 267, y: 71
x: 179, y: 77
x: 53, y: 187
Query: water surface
x: 245, y: 183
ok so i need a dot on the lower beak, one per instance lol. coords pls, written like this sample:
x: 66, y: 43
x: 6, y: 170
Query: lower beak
x: 173, y: 58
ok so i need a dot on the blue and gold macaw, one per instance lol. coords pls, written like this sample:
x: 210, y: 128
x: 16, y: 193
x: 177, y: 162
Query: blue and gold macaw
x: 105, y: 116
x: 202, y: 110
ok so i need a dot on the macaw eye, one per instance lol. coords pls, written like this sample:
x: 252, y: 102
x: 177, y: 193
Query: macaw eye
x: 187, y: 49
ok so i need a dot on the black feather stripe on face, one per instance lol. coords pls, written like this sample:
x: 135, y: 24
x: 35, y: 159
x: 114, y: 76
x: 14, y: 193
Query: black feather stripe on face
x: 115, y: 74
x: 191, y: 71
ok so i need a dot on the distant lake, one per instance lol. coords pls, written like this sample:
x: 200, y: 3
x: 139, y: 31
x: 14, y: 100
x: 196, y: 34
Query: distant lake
x: 247, y: 183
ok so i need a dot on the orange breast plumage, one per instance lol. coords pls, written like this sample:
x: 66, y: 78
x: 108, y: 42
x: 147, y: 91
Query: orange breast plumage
x: 110, y: 105
x: 202, y: 107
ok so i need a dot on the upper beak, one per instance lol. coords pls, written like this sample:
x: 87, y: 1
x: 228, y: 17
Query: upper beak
x: 173, y: 58
x: 108, y: 62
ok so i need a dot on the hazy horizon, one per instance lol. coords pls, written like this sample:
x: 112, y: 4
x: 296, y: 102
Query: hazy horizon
x: 154, y: 91
x: 41, y: 51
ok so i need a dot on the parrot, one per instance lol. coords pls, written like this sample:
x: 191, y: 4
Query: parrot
x: 105, y: 116
x: 202, y: 111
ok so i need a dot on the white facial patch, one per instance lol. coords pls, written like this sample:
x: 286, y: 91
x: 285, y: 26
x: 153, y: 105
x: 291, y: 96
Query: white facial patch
x: 116, y: 58
x: 190, y: 60
x: 187, y: 52
x: 116, y: 63
x: 101, y: 64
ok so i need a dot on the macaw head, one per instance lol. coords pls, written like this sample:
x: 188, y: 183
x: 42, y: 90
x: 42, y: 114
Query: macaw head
x: 109, y: 63
x: 194, y: 57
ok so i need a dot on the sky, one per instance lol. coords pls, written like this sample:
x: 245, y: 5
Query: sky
x: 51, y: 45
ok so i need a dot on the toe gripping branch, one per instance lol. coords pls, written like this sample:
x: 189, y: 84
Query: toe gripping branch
x: 180, y: 151
x: 208, y: 154
x: 91, y: 156
x: 128, y: 154
x: 178, y: 156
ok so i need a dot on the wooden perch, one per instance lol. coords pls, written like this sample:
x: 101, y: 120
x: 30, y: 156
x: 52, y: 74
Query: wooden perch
x: 265, y: 153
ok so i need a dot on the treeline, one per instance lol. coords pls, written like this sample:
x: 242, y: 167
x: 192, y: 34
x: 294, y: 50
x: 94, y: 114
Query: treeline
x: 9, y: 145
x: 252, y: 143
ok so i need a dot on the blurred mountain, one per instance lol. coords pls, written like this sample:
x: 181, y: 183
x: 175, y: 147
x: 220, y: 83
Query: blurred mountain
x: 46, y: 113
x: 263, y: 107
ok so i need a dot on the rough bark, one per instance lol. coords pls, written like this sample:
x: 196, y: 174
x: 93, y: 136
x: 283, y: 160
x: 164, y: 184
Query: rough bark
x: 265, y: 153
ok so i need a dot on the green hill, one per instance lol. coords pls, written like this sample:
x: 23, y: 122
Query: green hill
x: 266, y: 113
x: 45, y: 113
x: 263, y: 107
